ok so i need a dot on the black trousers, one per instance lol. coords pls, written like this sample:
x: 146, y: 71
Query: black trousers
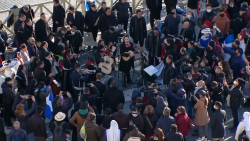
x: 140, y: 41
x: 123, y: 22
x: 235, y: 114
x: 99, y: 105
x: 8, y: 114
x: 94, y: 32
x: 156, y: 14
x: 126, y: 77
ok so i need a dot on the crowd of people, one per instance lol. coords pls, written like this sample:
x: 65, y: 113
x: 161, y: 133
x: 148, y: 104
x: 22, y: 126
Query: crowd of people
x: 208, y: 71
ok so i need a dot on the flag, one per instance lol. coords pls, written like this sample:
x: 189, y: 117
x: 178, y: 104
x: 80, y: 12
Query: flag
x: 86, y: 6
x: 49, y: 99
x: 228, y: 42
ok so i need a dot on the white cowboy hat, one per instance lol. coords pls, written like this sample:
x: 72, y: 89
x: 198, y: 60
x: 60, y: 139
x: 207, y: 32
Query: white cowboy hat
x: 60, y: 116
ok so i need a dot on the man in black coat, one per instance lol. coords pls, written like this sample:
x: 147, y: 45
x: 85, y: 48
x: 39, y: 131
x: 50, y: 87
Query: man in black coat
x: 27, y: 11
x: 102, y: 9
x: 153, y: 44
x: 122, y: 13
x: 111, y: 94
x: 170, y: 70
x: 39, y: 73
x: 18, y: 29
x: 110, y: 37
x: 187, y: 32
x: 217, y: 122
x: 169, y: 5
x: 38, y: 124
x: 47, y: 63
x: 106, y: 21
x: 8, y: 100
x: 208, y: 14
x: 154, y: 7
x: 137, y: 28
x: 174, y: 135
x: 232, y: 9
x: 75, y: 39
x: 58, y: 15
x: 75, y: 18
x: 42, y: 29
x: 90, y: 21
x: 60, y: 35
x: 28, y: 30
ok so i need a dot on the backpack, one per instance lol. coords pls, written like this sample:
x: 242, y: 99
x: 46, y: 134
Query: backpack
x: 134, y: 139
x: 16, y: 137
x: 83, y: 133
x: 58, y: 130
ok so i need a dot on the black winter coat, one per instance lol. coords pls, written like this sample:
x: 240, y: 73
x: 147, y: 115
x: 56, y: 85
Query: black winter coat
x: 109, y: 96
x: 207, y: 16
x: 122, y: 10
x: 236, y: 96
x: 18, y: 29
x: 29, y: 15
x: 217, y: 122
x: 8, y: 95
x: 138, y: 121
x: 28, y: 32
x: 148, y: 130
x: 214, y: 3
x: 169, y: 73
x: 150, y: 46
x: 133, y: 27
x: 192, y: 4
x: 108, y: 37
x: 41, y: 30
x: 232, y: 10
x: 58, y: 15
x: 78, y: 21
x: 151, y: 4
x: 90, y: 19
x: 105, y: 22
x: 174, y: 136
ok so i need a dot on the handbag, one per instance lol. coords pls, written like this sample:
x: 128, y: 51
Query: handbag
x: 149, y: 122
x: 190, y: 124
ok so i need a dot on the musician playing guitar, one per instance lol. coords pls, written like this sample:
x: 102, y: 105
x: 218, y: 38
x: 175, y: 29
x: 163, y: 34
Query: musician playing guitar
x: 127, y: 58
x: 99, y: 54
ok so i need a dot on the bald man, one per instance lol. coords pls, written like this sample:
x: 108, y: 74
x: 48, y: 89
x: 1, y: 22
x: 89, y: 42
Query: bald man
x: 187, y: 32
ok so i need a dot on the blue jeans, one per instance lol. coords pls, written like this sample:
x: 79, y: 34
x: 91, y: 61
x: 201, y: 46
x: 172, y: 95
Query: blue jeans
x: 235, y: 114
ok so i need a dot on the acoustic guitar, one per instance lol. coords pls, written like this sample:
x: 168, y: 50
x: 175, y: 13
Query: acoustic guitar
x: 106, y: 66
x: 126, y: 58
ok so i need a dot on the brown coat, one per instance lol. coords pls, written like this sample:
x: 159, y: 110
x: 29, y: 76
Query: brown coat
x: 77, y: 117
x: 134, y: 133
x: 201, y: 117
x: 93, y: 131
x: 222, y: 23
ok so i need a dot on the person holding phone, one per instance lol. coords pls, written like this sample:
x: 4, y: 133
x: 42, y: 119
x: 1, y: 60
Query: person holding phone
x: 91, y: 98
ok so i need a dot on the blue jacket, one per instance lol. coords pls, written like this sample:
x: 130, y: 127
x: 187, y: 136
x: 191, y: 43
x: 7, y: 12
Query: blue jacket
x: 165, y: 123
x: 177, y: 99
x: 172, y: 24
x: 77, y: 77
x: 236, y: 63
x: 136, y: 93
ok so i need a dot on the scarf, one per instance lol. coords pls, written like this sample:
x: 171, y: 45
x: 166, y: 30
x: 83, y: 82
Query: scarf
x: 83, y: 112
x: 189, y: 51
x: 113, y: 133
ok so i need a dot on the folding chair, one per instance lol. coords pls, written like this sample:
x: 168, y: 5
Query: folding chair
x: 89, y: 40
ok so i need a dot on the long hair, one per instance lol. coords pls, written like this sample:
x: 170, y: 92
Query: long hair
x: 20, y: 110
x: 149, y: 110
x: 159, y: 134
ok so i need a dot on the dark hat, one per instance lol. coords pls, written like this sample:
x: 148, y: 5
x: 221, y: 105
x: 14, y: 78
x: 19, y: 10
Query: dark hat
x: 71, y: 7
x: 212, y: 44
x: 93, y: 5
x: 56, y: 1
x: 202, y: 92
x: 112, y: 28
x: 100, y: 47
x: 241, y: 81
x: 214, y: 84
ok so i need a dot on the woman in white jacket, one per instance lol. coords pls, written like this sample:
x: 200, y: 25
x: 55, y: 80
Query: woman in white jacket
x: 243, y: 125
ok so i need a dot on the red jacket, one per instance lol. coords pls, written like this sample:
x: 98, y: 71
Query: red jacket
x: 182, y: 124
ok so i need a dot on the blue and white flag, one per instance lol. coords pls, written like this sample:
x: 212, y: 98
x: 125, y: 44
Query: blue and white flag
x: 49, y: 99
x: 228, y: 42
x: 86, y: 6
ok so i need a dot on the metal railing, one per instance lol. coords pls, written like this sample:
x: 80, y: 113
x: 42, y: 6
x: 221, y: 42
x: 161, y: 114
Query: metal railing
x: 47, y: 7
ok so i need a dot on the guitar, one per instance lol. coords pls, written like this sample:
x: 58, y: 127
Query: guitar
x: 131, y: 54
x: 106, y: 66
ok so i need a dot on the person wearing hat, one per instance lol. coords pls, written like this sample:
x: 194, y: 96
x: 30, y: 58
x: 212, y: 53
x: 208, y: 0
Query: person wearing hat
x: 216, y: 93
x: 106, y: 21
x: 235, y: 99
x: 58, y: 15
x: 201, y: 115
x: 59, y: 121
x: 205, y: 38
x: 218, y: 120
x: 75, y: 18
x: 122, y: 13
x: 27, y: 11
x: 153, y: 44
x: 90, y: 21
